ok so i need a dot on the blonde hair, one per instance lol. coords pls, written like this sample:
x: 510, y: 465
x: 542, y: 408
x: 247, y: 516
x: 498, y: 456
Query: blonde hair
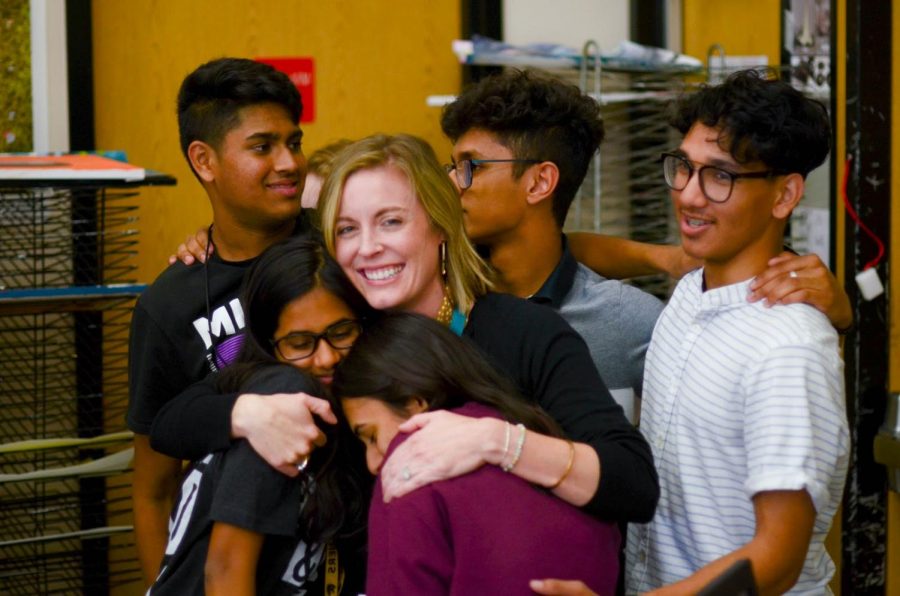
x: 468, y: 276
x: 319, y: 162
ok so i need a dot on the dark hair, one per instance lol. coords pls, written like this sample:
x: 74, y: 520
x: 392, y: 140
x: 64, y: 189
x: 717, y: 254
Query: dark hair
x: 404, y: 355
x: 284, y: 272
x: 211, y: 97
x: 535, y: 117
x: 760, y: 119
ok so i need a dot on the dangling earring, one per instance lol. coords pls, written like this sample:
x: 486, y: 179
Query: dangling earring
x: 443, y: 252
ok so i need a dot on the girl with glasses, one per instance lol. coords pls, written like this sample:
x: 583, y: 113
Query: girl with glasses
x: 239, y: 526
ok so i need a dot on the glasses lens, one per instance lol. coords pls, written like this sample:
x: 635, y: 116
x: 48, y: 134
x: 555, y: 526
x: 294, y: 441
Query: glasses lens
x: 716, y: 183
x: 464, y: 173
x: 677, y: 171
x: 343, y: 335
x: 297, y: 345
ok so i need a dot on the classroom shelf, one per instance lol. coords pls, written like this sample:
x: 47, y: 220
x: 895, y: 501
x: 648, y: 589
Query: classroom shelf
x: 67, y: 288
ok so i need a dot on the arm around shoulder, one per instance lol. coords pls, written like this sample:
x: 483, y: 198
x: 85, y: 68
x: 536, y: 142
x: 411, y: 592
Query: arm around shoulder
x: 571, y: 391
x: 194, y: 423
x: 620, y: 258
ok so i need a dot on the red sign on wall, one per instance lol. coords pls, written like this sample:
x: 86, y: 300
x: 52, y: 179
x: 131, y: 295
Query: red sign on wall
x: 302, y: 73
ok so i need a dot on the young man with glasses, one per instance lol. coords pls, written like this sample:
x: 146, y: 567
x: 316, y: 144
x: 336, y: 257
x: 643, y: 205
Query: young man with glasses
x: 743, y: 405
x: 522, y: 147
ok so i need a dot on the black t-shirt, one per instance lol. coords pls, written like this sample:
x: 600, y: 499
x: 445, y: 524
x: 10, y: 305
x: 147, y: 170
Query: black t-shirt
x: 176, y: 340
x: 239, y: 488
x: 173, y: 335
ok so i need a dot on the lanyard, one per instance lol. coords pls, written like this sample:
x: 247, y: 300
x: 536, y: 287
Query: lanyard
x: 334, y: 576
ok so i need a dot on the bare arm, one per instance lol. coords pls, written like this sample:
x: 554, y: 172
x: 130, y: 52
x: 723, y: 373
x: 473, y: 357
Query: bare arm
x: 470, y: 443
x: 156, y: 479
x: 620, y: 258
x: 231, y: 561
x: 784, y: 524
x: 813, y: 284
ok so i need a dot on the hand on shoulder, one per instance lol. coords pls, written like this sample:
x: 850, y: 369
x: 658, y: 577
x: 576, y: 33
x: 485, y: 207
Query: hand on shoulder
x: 792, y: 279
x: 193, y: 249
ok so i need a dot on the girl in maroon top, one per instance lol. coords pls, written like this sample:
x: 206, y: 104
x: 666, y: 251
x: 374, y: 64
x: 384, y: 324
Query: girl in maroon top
x: 484, y: 532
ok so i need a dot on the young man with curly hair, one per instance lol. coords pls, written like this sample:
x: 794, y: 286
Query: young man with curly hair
x: 743, y: 405
x: 522, y: 146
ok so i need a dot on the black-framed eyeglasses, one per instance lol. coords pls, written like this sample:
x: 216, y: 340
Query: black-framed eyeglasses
x: 717, y: 184
x: 465, y: 168
x: 298, y: 345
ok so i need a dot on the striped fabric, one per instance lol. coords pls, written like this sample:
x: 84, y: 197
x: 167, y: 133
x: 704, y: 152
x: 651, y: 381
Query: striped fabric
x: 738, y: 399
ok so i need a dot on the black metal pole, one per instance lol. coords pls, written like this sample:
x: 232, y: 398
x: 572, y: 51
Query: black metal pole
x: 868, y: 134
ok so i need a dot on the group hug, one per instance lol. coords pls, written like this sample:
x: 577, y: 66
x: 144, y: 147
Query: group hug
x: 375, y: 373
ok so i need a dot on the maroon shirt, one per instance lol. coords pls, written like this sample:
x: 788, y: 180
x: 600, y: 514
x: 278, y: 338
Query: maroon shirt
x: 487, y: 532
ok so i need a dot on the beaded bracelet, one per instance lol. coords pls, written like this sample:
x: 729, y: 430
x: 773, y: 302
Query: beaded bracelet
x: 519, y: 443
x: 505, y: 442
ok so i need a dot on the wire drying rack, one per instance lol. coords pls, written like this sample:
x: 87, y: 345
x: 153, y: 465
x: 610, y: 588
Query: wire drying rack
x: 66, y: 293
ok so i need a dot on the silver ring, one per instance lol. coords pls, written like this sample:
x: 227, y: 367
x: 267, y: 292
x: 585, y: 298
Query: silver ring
x: 302, y: 465
x: 405, y: 473
x: 793, y: 275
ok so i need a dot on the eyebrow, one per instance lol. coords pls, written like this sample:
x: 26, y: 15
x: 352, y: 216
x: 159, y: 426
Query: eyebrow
x: 378, y: 213
x: 274, y: 136
x: 716, y: 163
x: 311, y: 332
x: 467, y: 154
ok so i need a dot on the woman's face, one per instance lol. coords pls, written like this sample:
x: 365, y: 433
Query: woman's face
x: 315, y: 312
x: 386, y: 244
x: 375, y: 424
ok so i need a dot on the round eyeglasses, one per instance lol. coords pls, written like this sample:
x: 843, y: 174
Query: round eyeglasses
x: 717, y: 184
x: 465, y: 168
x: 298, y: 345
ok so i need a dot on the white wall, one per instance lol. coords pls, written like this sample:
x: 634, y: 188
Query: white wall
x: 49, y: 76
x: 569, y: 22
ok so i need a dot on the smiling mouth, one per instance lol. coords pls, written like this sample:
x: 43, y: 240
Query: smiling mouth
x: 288, y: 187
x: 382, y: 273
x: 694, y: 221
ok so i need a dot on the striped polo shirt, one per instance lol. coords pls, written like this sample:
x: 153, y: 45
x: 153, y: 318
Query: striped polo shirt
x: 738, y: 399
